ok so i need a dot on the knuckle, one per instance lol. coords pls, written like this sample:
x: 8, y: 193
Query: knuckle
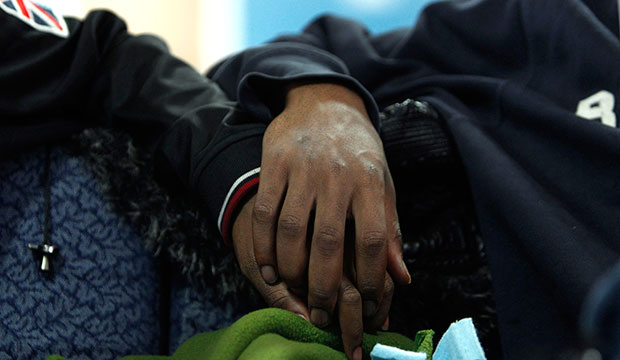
x: 350, y: 296
x: 277, y: 298
x: 290, y: 226
x: 374, y: 175
x: 263, y: 212
x: 376, y: 181
x: 372, y: 167
x: 372, y: 243
x: 369, y: 289
x: 320, y: 296
x: 337, y: 167
x: 327, y: 240
x: 373, y: 158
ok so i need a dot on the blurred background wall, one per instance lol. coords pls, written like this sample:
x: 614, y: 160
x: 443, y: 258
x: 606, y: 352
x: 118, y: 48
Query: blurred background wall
x: 203, y: 31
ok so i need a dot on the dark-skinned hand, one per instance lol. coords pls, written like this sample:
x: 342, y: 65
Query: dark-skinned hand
x: 322, y: 154
x: 349, y: 302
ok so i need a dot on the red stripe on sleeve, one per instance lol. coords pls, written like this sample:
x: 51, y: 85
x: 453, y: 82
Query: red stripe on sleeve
x: 239, y: 195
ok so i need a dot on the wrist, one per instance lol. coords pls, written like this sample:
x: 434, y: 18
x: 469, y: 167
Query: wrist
x: 305, y: 95
x: 243, y: 189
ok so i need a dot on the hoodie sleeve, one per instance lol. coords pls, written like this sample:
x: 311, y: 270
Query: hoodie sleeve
x: 383, y: 68
x: 77, y: 74
x: 324, y: 52
x: 258, y: 77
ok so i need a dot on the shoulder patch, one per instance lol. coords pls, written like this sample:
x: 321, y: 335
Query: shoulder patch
x: 39, y: 16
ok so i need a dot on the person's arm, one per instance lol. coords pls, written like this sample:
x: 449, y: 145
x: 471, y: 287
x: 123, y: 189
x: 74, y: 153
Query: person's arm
x: 96, y: 74
x: 329, y: 50
x: 448, y: 40
x: 92, y: 72
x: 385, y: 68
x: 321, y: 154
x: 478, y: 38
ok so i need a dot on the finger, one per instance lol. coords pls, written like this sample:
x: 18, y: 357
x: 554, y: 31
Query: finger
x: 280, y: 296
x: 350, y: 318
x: 264, y: 217
x: 326, y: 250
x: 277, y: 295
x: 291, y: 249
x: 370, y: 245
x: 395, y: 264
x: 380, y: 320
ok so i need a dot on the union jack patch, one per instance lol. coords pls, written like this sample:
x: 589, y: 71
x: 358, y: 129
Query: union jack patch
x: 37, y: 15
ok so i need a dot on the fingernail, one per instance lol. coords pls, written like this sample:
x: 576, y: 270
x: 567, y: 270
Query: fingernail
x: 404, y: 267
x: 386, y: 324
x: 357, y: 353
x: 302, y: 316
x: 269, y: 274
x: 370, y: 307
x: 319, y: 317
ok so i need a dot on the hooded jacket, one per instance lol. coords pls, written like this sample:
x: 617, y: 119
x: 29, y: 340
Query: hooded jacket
x: 60, y: 75
x: 527, y: 91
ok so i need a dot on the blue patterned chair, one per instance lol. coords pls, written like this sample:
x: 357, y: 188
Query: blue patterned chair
x: 111, y: 293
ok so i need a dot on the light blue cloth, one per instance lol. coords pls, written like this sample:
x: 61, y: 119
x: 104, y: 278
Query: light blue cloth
x: 384, y: 352
x: 460, y: 342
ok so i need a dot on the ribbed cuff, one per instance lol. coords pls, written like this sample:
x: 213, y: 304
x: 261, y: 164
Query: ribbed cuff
x: 270, y: 103
x: 229, y: 176
x: 244, y: 186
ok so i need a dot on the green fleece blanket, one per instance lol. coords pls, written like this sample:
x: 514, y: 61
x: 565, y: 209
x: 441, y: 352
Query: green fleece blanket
x: 279, y: 334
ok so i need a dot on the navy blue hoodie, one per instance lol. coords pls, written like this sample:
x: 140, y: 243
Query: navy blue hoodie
x: 527, y: 90
x: 58, y: 79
